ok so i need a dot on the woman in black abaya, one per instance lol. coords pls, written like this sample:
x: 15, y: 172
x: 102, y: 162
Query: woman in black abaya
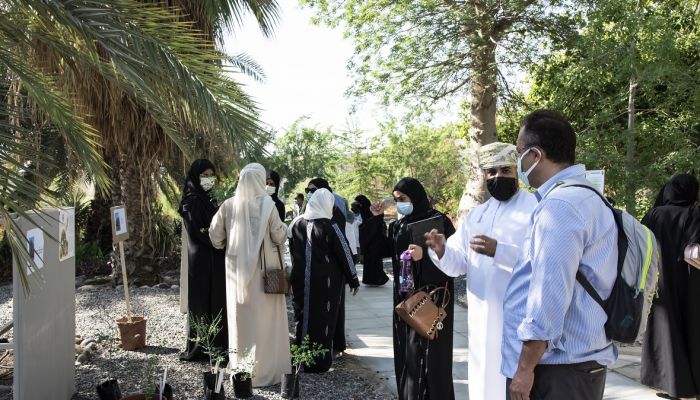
x: 370, y: 230
x: 321, y: 266
x: 272, y: 186
x: 671, y: 348
x: 423, y: 367
x: 206, y: 295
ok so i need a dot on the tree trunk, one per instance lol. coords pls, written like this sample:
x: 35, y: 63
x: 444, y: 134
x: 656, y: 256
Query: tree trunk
x: 99, y: 225
x: 630, y: 198
x: 482, y: 122
x: 138, y: 194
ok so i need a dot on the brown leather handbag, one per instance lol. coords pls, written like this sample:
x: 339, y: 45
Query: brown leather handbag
x: 274, y: 281
x: 422, y: 314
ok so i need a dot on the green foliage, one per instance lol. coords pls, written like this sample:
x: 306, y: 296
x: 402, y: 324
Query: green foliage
x: 305, y: 354
x: 77, y: 64
x: 225, y: 188
x: 653, y: 46
x: 205, y: 331
x: 420, y: 51
x: 78, y: 200
x: 166, y: 232
x: 245, y: 366
x: 431, y: 155
x: 304, y: 153
x: 88, y: 252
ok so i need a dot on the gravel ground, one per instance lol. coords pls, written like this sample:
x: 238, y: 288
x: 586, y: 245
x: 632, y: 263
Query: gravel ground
x: 95, y: 311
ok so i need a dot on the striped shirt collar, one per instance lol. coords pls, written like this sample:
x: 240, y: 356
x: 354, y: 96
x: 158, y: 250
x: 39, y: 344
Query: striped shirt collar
x: 566, y: 173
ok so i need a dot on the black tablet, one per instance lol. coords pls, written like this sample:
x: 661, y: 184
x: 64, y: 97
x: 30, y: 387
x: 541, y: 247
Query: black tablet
x: 418, y: 229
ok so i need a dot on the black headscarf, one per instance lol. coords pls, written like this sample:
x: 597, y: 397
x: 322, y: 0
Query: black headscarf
x: 192, y: 185
x: 320, y: 183
x: 275, y: 178
x: 193, y: 189
x: 413, y: 189
x: 365, y: 204
x: 681, y: 190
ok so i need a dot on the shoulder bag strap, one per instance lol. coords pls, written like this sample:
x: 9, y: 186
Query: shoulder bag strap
x: 279, y: 254
x: 263, y: 263
x: 446, y: 297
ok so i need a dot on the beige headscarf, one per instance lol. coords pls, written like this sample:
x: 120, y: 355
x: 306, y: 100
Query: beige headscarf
x: 251, y: 211
x: 497, y: 154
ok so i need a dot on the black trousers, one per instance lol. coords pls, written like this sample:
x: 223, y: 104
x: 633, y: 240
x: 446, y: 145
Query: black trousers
x: 583, y: 381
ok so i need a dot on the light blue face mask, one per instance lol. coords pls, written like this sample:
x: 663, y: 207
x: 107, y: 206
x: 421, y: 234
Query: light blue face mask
x: 523, y: 176
x: 404, y: 207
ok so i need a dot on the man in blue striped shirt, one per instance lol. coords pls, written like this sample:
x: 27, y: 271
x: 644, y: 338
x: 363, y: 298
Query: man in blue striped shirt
x: 554, y: 341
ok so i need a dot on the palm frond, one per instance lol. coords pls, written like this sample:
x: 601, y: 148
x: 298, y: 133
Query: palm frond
x: 228, y: 14
x: 247, y: 65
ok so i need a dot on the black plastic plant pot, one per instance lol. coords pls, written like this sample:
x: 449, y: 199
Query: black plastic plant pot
x: 290, y: 386
x: 210, y: 387
x: 167, y: 391
x: 242, y: 388
x: 109, y: 390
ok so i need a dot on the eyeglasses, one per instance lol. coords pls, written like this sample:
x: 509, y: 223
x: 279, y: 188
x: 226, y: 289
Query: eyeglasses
x: 310, y: 190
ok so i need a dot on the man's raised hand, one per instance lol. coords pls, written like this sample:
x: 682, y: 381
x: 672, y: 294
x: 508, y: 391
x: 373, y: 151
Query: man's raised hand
x: 436, y: 241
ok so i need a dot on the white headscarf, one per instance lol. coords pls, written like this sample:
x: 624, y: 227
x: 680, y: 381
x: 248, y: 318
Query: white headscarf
x: 251, y: 211
x: 320, y: 205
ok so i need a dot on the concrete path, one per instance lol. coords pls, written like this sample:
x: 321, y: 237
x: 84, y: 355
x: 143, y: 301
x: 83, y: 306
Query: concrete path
x: 368, y: 330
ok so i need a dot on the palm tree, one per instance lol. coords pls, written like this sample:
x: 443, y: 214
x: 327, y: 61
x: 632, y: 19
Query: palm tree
x: 125, y: 83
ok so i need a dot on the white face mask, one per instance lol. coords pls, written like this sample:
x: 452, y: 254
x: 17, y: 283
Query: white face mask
x: 524, y: 175
x: 207, y: 183
x: 270, y: 189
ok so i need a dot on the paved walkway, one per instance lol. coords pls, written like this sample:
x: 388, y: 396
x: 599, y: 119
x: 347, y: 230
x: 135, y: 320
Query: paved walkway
x: 368, y: 329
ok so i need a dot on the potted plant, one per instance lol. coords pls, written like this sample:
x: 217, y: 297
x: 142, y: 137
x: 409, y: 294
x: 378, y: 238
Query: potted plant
x: 242, y: 374
x: 132, y: 329
x: 160, y: 391
x: 304, y: 354
x: 205, y: 332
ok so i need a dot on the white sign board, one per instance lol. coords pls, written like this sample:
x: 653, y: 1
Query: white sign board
x: 597, y: 178
x: 35, y: 247
x: 120, y: 231
x: 44, y: 318
x: 66, y: 234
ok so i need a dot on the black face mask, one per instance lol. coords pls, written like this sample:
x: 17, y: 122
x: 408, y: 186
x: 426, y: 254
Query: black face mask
x: 502, y: 188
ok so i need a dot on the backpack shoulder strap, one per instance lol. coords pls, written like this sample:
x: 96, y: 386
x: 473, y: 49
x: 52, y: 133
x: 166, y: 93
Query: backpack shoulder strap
x: 578, y: 182
x: 583, y: 183
x: 589, y: 289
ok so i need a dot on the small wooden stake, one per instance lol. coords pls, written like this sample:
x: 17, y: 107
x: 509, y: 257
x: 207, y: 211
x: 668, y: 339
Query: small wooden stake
x: 126, y: 282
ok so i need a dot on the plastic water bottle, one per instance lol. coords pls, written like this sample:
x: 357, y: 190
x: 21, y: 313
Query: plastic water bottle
x: 406, y: 276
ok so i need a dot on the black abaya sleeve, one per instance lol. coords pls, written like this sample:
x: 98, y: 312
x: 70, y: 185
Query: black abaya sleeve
x: 343, y: 254
x: 374, y: 239
x: 196, y: 219
x: 280, y: 208
x: 339, y: 219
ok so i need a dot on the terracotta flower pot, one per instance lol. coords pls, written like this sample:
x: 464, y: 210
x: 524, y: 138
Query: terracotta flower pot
x: 132, y: 334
